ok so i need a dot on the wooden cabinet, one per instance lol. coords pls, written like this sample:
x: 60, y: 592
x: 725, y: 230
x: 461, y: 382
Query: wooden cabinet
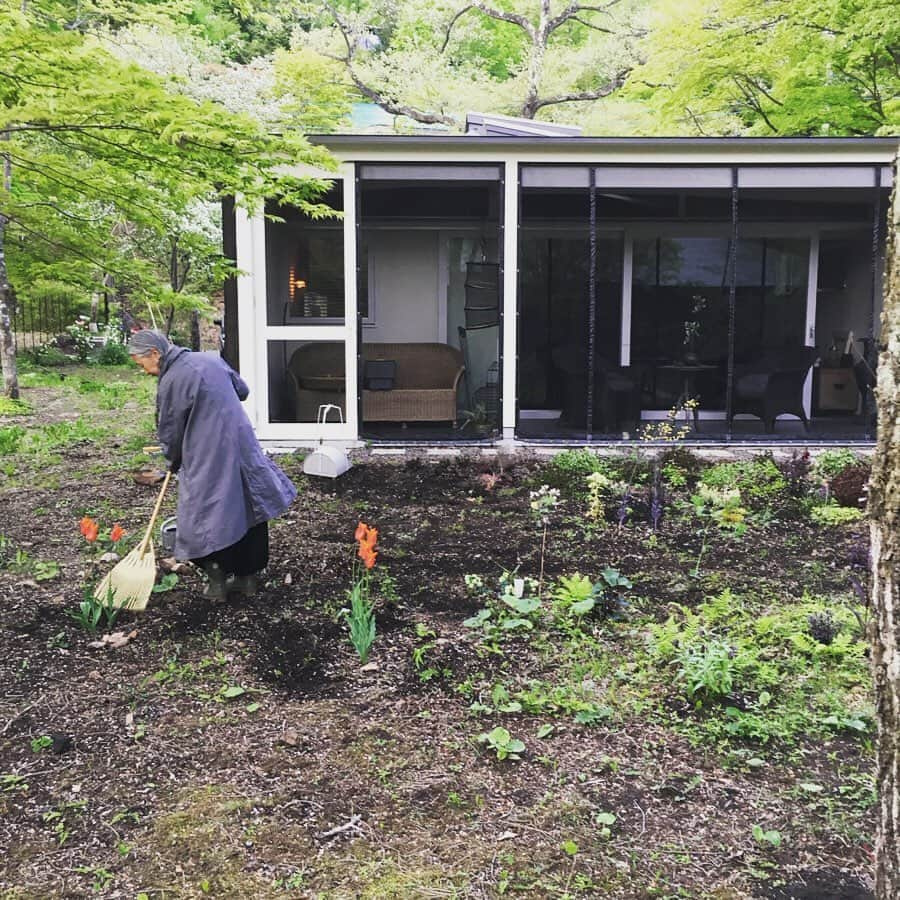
x: 837, y: 391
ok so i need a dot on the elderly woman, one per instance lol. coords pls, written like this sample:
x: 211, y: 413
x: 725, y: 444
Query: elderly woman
x: 228, y: 489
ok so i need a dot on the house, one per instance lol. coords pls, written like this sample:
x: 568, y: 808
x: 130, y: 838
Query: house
x: 475, y: 280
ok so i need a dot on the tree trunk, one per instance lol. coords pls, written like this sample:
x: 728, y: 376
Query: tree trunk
x: 195, y: 330
x: 7, y: 343
x: 884, y: 511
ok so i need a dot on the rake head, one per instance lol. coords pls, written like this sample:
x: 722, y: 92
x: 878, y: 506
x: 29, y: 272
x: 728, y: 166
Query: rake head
x: 130, y: 582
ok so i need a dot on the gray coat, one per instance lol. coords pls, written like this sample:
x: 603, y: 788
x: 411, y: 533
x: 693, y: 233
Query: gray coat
x: 226, y: 484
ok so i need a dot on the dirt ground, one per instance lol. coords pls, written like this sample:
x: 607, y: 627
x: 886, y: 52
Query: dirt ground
x: 241, y: 750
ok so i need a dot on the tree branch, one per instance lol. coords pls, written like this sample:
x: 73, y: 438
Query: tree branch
x: 574, y: 97
x: 376, y: 96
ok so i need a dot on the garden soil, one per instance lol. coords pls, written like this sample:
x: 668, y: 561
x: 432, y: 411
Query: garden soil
x: 242, y: 750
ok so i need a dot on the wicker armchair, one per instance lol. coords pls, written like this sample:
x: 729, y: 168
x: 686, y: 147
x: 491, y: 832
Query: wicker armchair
x: 773, y: 385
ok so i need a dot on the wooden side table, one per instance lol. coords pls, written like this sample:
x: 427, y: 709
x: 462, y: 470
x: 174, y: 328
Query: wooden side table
x: 837, y: 390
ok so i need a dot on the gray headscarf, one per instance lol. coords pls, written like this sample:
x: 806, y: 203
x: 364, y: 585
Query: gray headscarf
x: 142, y: 342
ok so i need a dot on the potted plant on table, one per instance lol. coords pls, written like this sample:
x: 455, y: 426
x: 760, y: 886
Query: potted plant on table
x: 692, y: 331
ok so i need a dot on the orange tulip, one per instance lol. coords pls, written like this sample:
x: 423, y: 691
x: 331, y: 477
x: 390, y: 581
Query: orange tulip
x: 89, y: 529
x: 361, y: 531
x: 368, y: 556
x: 117, y: 533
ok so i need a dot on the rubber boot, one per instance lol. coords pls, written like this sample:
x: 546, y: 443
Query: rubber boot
x: 243, y: 585
x: 215, y: 589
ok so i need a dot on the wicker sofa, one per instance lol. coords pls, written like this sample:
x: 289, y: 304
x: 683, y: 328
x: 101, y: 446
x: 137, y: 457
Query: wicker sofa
x: 425, y: 384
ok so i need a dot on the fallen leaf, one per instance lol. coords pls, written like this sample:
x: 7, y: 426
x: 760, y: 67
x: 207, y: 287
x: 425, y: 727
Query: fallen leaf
x: 290, y: 737
x: 370, y: 667
x: 110, y: 557
x: 288, y: 579
x: 506, y: 836
x: 148, y: 476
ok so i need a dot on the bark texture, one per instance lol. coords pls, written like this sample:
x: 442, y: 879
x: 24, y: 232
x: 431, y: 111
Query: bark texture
x: 7, y: 344
x: 884, y: 507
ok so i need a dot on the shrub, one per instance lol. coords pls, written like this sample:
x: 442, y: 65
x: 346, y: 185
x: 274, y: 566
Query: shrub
x: 113, y: 353
x: 822, y: 627
x: 759, y: 480
x: 830, y: 516
x: 849, y: 486
x: 47, y: 355
x: 679, y: 466
x: 568, y: 470
x: 796, y: 472
x: 832, y: 462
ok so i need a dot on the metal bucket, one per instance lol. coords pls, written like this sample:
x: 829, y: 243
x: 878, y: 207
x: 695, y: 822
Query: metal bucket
x: 167, y: 532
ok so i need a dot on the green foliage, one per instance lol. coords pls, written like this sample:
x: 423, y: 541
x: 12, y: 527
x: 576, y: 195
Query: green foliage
x: 316, y: 90
x: 361, y: 618
x: 832, y: 462
x: 765, y: 838
x: 10, y: 439
x: 11, y: 407
x: 512, y: 607
x: 786, y: 67
x: 111, y: 164
x: 706, y: 668
x: 759, y: 480
x: 791, y: 683
x: 568, y: 470
x: 113, y: 353
x: 91, y: 610
x: 577, y: 595
x: 502, y: 743
x: 830, y: 516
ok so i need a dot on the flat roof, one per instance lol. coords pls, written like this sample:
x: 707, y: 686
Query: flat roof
x: 457, y: 141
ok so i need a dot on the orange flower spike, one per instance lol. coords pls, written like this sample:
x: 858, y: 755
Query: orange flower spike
x: 117, y: 533
x: 361, y: 531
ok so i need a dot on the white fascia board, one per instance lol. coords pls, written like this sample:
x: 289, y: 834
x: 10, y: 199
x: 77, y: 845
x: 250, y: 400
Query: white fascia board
x: 650, y: 154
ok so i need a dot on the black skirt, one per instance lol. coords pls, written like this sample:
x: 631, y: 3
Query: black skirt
x: 246, y: 557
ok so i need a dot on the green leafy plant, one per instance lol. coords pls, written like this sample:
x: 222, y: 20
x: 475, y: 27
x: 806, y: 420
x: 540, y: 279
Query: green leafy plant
x: 41, y: 743
x: 568, y: 469
x: 832, y: 462
x: 598, y: 489
x: 605, y: 821
x: 502, y: 743
x: 513, y: 607
x: 759, y: 480
x: 830, y: 516
x: 91, y: 610
x: 10, y: 439
x: 578, y: 595
x: 167, y: 583
x: 721, y: 507
x: 765, y: 838
x: 542, y: 503
x: 707, y: 668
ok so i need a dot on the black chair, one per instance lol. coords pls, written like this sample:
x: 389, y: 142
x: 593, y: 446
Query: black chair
x: 864, y: 373
x: 617, y: 393
x: 773, y: 385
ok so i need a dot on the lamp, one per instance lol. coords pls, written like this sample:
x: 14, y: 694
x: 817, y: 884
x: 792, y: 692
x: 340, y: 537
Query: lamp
x: 295, y: 284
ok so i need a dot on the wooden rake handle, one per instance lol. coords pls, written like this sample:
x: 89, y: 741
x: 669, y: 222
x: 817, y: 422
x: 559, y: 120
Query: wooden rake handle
x: 162, y: 493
